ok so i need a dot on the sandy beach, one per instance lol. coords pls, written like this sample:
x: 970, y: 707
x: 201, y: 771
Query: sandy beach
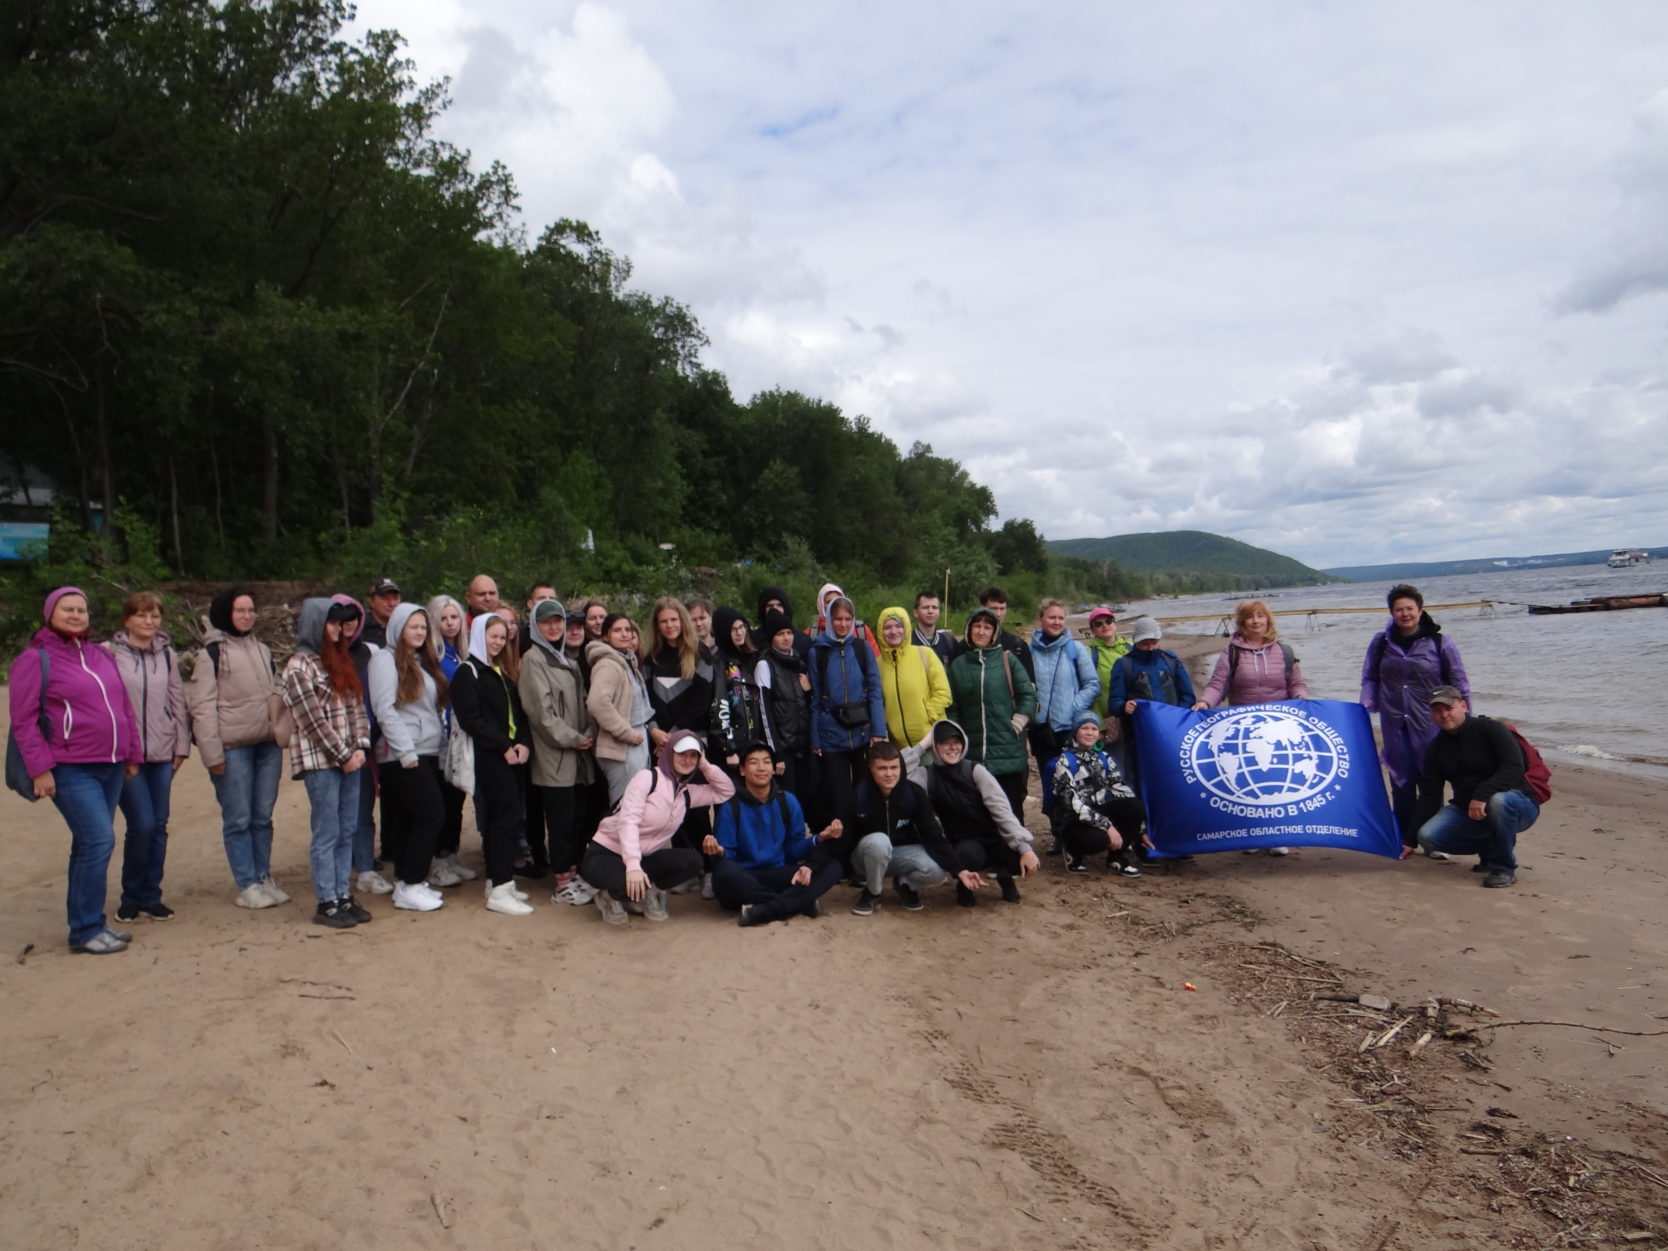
x: 1115, y: 1062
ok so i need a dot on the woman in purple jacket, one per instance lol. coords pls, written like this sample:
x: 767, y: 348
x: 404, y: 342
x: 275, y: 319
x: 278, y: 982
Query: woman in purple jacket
x: 151, y: 675
x: 1257, y: 668
x: 1405, y: 662
x: 79, y: 740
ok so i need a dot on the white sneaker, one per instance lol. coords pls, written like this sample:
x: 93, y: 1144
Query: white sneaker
x: 278, y: 893
x: 373, y: 883
x: 1279, y: 851
x: 612, y: 910
x: 254, y: 896
x: 416, y: 898
x: 444, y: 875
x: 502, y: 899
x: 463, y: 872
x: 578, y: 892
x: 706, y: 886
x: 518, y: 892
x: 654, y: 905
x: 683, y: 888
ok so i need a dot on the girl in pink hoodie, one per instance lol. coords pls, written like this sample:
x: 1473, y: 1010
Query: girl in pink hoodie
x: 78, y: 739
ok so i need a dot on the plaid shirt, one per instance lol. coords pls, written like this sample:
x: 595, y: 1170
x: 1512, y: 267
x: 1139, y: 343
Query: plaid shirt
x: 328, y: 728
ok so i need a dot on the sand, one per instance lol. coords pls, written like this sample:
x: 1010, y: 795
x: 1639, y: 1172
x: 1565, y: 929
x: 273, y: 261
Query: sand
x: 996, y: 1077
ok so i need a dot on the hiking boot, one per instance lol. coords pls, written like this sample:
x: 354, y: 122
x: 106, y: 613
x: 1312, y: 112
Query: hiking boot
x: 360, y: 915
x: 332, y: 913
x: 1010, y: 892
x: 966, y: 898
x: 612, y: 910
x: 157, y: 912
x: 654, y: 905
x: 128, y: 913
x: 1500, y: 877
x: 865, y: 903
x: 1074, y: 863
x: 909, y: 897
x: 103, y: 943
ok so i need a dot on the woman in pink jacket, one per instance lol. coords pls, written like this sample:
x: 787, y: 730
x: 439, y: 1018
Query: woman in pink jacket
x: 151, y: 675
x: 631, y: 854
x: 1257, y: 668
x: 78, y: 739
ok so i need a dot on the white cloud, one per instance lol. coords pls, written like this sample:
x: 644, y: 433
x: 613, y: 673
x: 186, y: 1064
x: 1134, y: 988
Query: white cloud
x: 1358, y: 282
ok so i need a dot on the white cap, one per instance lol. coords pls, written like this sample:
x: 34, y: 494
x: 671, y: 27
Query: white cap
x: 686, y: 742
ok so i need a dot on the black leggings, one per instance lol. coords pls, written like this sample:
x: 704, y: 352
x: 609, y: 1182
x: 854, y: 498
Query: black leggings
x: 412, y: 814
x: 668, y: 867
x: 451, y: 825
x: 838, y: 774
x: 982, y: 853
x: 500, y: 811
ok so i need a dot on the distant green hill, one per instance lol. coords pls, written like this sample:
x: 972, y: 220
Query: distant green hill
x: 1191, y: 560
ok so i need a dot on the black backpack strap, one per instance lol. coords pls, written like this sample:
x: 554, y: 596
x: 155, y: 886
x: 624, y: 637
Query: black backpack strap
x: 213, y: 650
x: 43, y: 721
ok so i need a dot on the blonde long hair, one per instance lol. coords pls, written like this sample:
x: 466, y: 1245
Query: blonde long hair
x: 1243, y: 613
x: 689, y: 646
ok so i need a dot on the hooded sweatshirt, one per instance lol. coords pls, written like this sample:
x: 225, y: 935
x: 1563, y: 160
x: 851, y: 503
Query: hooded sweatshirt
x: 737, y: 714
x: 913, y: 681
x: 151, y: 676
x: 825, y: 596
x: 1259, y: 675
x: 408, y: 730
x: 232, y: 682
x: 783, y: 677
x: 762, y: 636
x: 844, y: 672
x: 88, y: 718
x: 966, y: 796
x: 653, y: 807
x: 1066, y: 681
x: 484, y: 700
x: 1397, y: 679
x: 552, y: 689
x: 906, y: 816
x: 328, y: 727
x: 1106, y: 654
x: 763, y: 833
x: 988, y: 686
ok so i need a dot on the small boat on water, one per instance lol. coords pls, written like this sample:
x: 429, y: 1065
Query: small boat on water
x: 1603, y: 603
x: 1627, y: 558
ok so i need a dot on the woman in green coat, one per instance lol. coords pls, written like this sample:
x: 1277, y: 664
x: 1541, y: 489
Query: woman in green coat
x: 992, y: 698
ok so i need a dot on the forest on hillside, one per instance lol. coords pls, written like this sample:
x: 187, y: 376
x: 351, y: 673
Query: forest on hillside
x: 265, y: 323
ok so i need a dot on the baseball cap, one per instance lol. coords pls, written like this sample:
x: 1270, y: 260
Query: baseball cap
x: 382, y: 586
x: 1099, y: 611
x: 1446, y: 695
x: 686, y: 742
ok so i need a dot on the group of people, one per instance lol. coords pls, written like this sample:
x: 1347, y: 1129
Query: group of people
x: 755, y: 760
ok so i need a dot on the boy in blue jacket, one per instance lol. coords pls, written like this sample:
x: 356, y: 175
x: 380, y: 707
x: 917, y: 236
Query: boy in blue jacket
x: 764, y: 845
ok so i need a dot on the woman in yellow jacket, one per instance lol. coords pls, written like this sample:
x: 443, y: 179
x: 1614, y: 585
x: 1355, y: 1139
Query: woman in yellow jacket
x: 912, y: 678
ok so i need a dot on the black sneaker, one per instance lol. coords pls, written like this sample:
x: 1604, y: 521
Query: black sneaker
x: 157, y: 912
x: 1480, y: 867
x: 965, y: 897
x: 532, y: 869
x: 909, y: 897
x: 128, y: 913
x: 1010, y: 892
x: 360, y: 915
x: 1057, y: 848
x: 865, y: 903
x: 812, y: 909
x: 1500, y: 877
x: 332, y: 913
x: 1074, y: 864
x: 748, y: 917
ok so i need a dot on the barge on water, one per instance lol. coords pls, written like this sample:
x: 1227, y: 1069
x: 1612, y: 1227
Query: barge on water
x: 1603, y: 603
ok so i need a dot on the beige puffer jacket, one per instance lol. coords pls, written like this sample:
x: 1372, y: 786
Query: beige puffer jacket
x: 228, y: 700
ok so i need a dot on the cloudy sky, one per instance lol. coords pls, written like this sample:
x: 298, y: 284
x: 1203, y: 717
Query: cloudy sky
x: 1357, y: 282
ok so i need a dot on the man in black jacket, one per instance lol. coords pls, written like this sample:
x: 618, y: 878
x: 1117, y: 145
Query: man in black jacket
x: 890, y: 830
x: 996, y: 599
x: 1480, y: 759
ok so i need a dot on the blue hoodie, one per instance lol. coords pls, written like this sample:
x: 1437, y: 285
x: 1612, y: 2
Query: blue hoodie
x: 751, y: 832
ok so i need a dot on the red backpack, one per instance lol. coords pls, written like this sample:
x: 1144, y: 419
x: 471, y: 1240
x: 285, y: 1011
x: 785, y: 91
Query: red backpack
x: 1535, y: 771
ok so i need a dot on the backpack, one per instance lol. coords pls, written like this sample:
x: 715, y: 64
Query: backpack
x: 1291, y: 659
x: 654, y: 781
x: 1536, y: 775
x: 734, y: 805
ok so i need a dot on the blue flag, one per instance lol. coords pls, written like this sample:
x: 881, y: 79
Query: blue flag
x: 1300, y: 774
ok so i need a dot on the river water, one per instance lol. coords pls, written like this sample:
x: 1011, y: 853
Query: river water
x: 1588, y: 685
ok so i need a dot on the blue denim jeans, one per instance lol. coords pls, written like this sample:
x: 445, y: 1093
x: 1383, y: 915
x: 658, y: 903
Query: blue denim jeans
x: 364, y: 826
x: 1494, y: 838
x: 86, y: 799
x: 247, y: 791
x: 877, y: 859
x: 334, y: 799
x: 144, y: 804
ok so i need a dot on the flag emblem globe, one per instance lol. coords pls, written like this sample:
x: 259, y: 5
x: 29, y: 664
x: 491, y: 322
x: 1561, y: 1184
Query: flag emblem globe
x: 1262, y: 755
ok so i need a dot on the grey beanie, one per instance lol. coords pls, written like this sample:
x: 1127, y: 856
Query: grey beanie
x: 1145, y: 628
